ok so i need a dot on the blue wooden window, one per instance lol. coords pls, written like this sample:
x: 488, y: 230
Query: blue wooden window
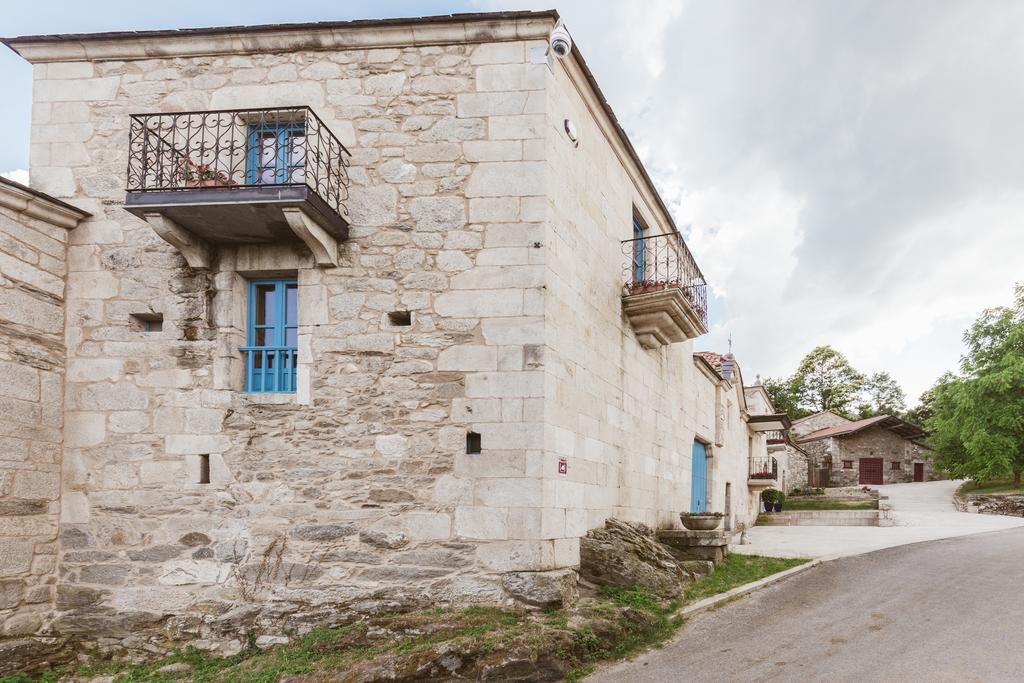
x: 638, y: 250
x: 276, y: 154
x: 273, y: 336
x: 699, y: 478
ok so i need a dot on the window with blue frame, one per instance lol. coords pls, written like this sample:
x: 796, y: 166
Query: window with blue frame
x: 639, y: 256
x: 272, y: 337
x: 276, y: 154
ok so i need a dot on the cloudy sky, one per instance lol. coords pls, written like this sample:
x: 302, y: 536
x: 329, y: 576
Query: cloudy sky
x: 847, y: 173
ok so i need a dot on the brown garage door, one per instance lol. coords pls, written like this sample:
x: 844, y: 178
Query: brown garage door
x: 870, y: 470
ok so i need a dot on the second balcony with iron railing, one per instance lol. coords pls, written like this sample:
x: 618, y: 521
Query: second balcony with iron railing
x: 239, y: 177
x: 764, y: 471
x: 664, y: 293
x: 775, y: 440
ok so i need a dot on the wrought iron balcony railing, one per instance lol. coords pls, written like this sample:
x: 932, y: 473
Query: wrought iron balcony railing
x: 775, y: 437
x: 251, y: 148
x: 764, y: 467
x: 658, y: 262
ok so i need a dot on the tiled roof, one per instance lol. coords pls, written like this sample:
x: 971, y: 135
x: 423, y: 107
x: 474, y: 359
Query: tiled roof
x: 900, y: 427
x: 713, y: 359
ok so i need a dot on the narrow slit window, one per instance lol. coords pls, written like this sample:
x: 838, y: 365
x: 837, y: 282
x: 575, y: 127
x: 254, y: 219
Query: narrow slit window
x: 400, y: 318
x: 847, y: 464
x: 204, y: 469
x: 148, y: 322
x: 472, y: 443
x: 896, y: 464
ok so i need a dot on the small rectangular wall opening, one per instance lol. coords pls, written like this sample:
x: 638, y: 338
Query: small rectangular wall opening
x: 472, y: 443
x: 400, y: 318
x: 148, y: 322
x: 204, y: 469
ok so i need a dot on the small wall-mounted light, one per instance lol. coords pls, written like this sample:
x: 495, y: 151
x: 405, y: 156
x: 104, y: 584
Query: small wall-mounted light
x: 570, y: 130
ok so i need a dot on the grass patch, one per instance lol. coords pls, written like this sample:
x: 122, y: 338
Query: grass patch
x: 995, y: 486
x: 617, y: 623
x: 737, y: 570
x: 829, y: 505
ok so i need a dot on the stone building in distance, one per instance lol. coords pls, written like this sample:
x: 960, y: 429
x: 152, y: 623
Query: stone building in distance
x: 358, y: 314
x: 877, y: 450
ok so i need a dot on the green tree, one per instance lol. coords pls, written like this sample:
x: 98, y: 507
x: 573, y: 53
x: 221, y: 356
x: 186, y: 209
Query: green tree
x: 781, y: 395
x: 882, y: 396
x: 977, y: 423
x: 825, y: 380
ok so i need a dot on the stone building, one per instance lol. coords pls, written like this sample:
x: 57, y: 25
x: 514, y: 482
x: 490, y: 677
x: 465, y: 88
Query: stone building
x: 358, y: 315
x: 33, y: 262
x: 878, y: 450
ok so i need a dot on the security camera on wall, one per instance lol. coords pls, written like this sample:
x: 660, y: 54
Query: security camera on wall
x: 560, y: 41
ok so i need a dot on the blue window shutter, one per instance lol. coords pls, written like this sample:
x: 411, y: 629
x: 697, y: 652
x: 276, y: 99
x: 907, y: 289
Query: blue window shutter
x: 639, y: 247
x: 272, y: 347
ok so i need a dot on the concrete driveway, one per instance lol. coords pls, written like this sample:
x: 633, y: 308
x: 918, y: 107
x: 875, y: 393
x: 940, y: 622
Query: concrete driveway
x: 949, y: 610
x: 922, y: 512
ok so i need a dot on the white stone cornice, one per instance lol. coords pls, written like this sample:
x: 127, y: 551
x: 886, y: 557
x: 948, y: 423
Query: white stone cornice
x: 235, y: 41
x: 39, y: 206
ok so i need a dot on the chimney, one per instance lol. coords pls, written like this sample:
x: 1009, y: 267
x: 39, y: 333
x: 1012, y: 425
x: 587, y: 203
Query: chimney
x: 728, y: 363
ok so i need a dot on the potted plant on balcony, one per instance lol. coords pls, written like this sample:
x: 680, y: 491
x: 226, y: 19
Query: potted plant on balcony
x: 701, y: 521
x: 202, y: 175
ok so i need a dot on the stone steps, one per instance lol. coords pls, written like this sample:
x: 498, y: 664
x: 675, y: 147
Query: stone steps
x: 821, y: 518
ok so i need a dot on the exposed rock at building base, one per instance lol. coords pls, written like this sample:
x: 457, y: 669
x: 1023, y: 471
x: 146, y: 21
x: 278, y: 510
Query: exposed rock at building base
x: 558, y: 588
x: 32, y: 654
x: 627, y: 554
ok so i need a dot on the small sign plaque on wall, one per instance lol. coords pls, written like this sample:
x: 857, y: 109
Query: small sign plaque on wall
x: 563, y: 466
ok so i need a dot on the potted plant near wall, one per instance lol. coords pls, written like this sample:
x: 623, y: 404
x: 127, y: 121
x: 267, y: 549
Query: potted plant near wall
x: 701, y: 521
x: 780, y: 498
x: 769, y: 496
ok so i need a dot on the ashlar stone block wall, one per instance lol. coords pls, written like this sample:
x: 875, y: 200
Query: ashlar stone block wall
x: 33, y: 246
x: 624, y: 417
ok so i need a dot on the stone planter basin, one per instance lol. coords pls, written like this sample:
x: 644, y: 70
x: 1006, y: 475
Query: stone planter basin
x: 701, y: 522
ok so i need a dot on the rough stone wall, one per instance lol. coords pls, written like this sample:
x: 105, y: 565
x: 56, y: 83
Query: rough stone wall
x: 367, y: 493
x: 872, y: 443
x: 879, y: 443
x: 32, y: 271
x: 623, y: 417
x: 796, y: 468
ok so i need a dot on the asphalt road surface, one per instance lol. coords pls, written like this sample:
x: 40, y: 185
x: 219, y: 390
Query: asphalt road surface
x: 948, y: 610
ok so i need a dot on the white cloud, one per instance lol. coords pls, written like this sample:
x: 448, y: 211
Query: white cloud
x: 18, y: 175
x: 847, y: 175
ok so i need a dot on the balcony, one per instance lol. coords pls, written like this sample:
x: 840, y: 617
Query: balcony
x: 764, y: 472
x: 775, y: 439
x: 664, y: 293
x: 256, y: 176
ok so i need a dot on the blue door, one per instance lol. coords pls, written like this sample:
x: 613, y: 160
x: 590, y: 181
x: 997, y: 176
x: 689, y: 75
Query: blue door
x: 699, y: 479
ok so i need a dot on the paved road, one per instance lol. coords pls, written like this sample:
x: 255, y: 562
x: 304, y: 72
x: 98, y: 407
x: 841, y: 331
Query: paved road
x: 947, y: 610
x: 922, y: 512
